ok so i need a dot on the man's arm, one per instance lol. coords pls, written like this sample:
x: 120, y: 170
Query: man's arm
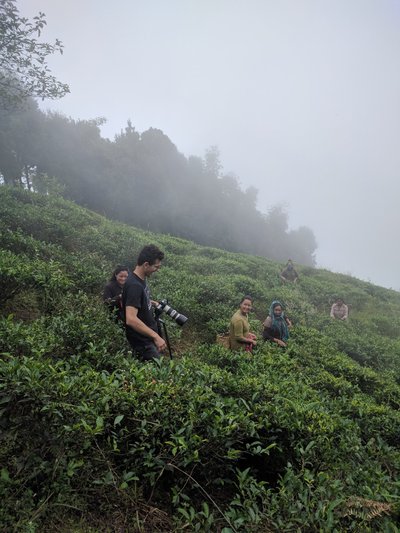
x: 138, y: 325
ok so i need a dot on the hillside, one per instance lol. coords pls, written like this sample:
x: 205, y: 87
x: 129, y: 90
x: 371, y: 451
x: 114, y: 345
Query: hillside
x: 302, y: 439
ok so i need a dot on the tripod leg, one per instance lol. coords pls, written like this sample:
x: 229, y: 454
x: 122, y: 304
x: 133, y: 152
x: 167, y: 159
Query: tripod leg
x: 167, y: 340
x: 164, y: 335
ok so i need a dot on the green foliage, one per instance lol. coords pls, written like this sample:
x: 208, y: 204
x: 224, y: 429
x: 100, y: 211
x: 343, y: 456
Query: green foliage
x: 23, y: 69
x: 304, y: 438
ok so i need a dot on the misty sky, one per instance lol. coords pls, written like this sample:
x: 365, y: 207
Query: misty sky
x: 302, y: 98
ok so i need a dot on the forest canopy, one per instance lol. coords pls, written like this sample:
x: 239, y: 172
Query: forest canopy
x: 142, y: 179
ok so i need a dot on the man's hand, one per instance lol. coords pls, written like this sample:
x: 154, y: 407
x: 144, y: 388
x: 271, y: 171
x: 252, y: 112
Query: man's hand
x: 160, y: 343
x: 280, y: 343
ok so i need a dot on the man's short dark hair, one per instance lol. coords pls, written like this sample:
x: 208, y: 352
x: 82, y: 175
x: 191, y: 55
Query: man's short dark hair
x: 149, y: 254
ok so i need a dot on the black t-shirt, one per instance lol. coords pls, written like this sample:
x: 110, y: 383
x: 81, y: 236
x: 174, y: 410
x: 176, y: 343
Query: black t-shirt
x: 136, y: 294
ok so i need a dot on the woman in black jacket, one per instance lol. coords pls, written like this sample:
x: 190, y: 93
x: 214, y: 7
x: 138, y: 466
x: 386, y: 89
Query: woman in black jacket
x: 112, y: 295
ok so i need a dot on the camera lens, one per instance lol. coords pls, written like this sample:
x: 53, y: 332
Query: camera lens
x: 179, y: 319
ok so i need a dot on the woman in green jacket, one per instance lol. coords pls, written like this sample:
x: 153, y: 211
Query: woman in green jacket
x: 240, y: 337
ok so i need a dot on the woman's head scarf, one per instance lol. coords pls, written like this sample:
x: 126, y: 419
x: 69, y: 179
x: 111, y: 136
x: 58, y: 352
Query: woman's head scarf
x: 279, y: 322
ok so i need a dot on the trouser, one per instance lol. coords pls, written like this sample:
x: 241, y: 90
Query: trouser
x: 147, y: 352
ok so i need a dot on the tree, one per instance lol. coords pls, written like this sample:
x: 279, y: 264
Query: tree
x: 23, y: 68
x: 212, y: 162
x: 75, y: 153
x: 19, y: 147
x: 303, y: 245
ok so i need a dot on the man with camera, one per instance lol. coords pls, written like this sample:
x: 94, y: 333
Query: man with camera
x: 140, y: 323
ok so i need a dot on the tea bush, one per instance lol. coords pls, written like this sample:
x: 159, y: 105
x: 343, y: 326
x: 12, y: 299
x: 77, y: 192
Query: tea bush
x: 301, y: 439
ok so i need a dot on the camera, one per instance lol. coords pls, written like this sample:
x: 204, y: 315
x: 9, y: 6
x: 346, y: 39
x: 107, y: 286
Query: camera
x: 163, y: 306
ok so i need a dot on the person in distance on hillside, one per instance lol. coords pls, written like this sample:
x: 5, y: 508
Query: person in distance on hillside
x: 112, y: 294
x: 339, y: 310
x: 140, y: 323
x: 240, y: 337
x: 289, y: 273
x: 276, y: 325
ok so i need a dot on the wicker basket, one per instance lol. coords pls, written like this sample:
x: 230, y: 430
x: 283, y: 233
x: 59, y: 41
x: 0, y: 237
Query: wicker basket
x: 223, y: 340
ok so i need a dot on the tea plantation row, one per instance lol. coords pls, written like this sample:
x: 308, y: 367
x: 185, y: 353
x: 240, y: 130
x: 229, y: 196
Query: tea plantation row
x: 305, y: 439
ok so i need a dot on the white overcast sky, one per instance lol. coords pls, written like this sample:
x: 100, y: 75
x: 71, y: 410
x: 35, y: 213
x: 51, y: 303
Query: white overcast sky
x: 302, y: 97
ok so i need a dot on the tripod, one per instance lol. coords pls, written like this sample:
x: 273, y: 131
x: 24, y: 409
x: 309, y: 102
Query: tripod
x: 163, y: 332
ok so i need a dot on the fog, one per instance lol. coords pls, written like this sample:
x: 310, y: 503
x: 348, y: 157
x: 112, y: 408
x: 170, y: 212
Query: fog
x: 301, y: 97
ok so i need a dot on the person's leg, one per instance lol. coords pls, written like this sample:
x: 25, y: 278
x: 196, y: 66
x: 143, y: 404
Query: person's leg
x: 147, y: 353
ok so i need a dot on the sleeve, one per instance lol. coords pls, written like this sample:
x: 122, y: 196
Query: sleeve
x: 238, y: 330
x: 134, y: 296
x: 332, y: 311
x: 346, y: 314
x: 267, y: 322
x: 268, y: 333
x: 108, y: 293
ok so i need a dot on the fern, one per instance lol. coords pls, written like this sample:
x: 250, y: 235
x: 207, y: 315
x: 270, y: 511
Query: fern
x: 366, y: 509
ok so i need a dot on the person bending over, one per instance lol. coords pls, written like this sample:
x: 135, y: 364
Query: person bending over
x: 112, y: 294
x: 140, y: 323
x: 289, y: 273
x: 276, y: 325
x: 339, y: 310
x: 240, y: 337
